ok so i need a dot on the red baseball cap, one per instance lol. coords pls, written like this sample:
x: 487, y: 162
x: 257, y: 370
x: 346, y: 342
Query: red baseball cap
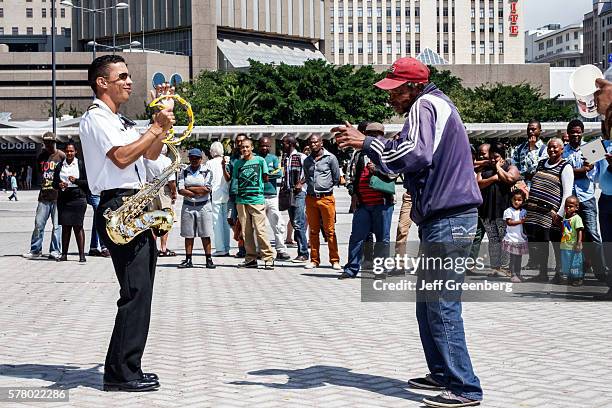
x: 404, y: 70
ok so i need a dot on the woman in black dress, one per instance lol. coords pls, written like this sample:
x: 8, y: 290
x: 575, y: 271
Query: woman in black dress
x: 71, y: 181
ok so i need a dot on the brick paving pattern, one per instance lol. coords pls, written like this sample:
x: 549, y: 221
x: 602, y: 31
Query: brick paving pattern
x: 282, y: 338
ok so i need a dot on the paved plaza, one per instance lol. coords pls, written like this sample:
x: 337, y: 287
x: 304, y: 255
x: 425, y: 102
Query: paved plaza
x: 283, y: 338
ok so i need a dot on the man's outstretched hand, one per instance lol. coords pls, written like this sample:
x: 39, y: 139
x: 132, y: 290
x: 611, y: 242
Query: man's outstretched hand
x: 348, y: 136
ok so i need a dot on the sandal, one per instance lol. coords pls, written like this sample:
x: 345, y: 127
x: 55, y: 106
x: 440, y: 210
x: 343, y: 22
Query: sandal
x: 167, y: 252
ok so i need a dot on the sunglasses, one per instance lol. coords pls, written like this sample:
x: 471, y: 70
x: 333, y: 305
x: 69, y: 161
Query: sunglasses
x: 122, y: 77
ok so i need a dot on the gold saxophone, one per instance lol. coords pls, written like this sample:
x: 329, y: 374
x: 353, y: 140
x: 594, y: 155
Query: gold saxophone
x: 131, y: 218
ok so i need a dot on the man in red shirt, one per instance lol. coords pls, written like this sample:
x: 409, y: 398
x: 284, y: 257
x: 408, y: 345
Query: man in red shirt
x: 373, y: 208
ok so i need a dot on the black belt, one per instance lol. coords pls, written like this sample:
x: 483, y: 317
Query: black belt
x: 194, y: 204
x: 116, y: 192
x: 319, y: 195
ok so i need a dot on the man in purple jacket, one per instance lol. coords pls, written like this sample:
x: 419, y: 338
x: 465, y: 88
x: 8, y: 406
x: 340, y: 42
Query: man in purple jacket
x: 433, y: 153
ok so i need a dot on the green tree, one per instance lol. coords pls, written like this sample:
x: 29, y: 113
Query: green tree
x: 240, y: 104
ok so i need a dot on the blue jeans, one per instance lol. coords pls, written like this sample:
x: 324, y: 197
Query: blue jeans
x: 45, y: 210
x: 297, y: 216
x: 95, y: 242
x: 593, y: 250
x: 368, y: 219
x: 605, y: 221
x: 221, y: 229
x: 439, y: 319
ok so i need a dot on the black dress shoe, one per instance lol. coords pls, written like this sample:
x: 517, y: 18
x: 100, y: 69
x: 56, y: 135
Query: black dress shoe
x: 346, y: 276
x: 209, y: 263
x: 185, y: 264
x: 140, y: 385
x: 150, y: 376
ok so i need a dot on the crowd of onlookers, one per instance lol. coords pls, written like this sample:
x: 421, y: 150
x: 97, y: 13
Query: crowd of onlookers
x: 543, y: 194
x: 534, y: 194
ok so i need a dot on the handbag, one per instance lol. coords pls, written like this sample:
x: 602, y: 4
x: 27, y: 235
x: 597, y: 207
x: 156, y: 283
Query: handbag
x: 286, y: 199
x: 387, y: 187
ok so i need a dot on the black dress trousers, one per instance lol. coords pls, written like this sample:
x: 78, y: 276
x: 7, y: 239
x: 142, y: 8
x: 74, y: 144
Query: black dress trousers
x: 134, y: 265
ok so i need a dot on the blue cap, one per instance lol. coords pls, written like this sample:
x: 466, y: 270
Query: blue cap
x: 195, y: 152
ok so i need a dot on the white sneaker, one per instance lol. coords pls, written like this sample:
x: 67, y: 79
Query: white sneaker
x: 336, y: 266
x: 32, y: 255
x: 310, y: 265
x: 54, y: 255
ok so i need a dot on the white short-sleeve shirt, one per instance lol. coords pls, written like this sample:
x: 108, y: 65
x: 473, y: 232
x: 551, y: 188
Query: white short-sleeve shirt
x: 514, y: 233
x: 101, y: 130
x: 70, y: 170
x: 156, y: 167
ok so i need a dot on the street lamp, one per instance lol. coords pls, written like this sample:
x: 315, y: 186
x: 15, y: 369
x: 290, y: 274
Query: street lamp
x: 114, y: 48
x: 118, y: 6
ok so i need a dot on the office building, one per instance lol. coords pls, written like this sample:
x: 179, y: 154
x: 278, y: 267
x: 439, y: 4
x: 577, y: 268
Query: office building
x: 459, y: 31
x: 598, y: 34
x: 555, y: 45
x: 213, y: 33
x: 25, y: 25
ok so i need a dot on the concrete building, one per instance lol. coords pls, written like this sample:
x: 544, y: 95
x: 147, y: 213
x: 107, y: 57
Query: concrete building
x: 459, y: 31
x: 555, y: 45
x: 25, y: 25
x: 25, y: 81
x: 598, y: 34
x: 213, y: 33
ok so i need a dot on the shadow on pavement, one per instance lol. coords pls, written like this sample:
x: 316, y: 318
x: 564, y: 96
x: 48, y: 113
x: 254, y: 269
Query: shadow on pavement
x: 62, y: 376
x: 320, y: 376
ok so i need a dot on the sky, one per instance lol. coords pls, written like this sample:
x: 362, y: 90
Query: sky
x: 539, y: 13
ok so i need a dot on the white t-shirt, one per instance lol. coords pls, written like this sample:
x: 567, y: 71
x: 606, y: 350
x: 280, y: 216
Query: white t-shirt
x: 156, y: 167
x: 69, y: 170
x: 515, y: 233
x: 101, y: 130
x: 220, y: 187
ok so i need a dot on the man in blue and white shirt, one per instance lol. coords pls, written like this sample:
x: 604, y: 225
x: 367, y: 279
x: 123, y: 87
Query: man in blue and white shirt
x: 584, y: 188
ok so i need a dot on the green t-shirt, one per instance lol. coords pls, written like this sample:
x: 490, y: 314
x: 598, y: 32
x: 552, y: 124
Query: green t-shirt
x: 273, y: 175
x: 569, y: 235
x: 249, y: 177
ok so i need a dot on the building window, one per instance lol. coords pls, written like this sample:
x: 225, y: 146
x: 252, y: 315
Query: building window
x: 369, y: 27
x: 379, y: 28
x: 575, y: 35
x: 473, y: 28
x: 491, y: 47
x: 567, y: 37
x: 482, y: 27
x: 482, y: 13
x: 15, y: 30
x: 331, y: 28
x: 417, y: 47
x: 445, y: 28
x: 341, y: 28
x: 445, y: 46
x: 30, y: 30
x: 473, y: 48
x: 63, y: 13
x: 407, y: 12
x: 1, y: 12
x: 360, y: 47
x: 417, y: 11
x: 388, y: 27
x: 500, y: 27
x: 44, y: 12
x: 340, y: 12
x: 350, y: 27
x: 29, y: 13
x: 350, y: 47
x: 370, y: 47
x: 491, y: 28
x: 482, y: 47
x: 360, y: 27
x: 398, y: 27
x: 389, y: 49
x: 388, y: 12
x: 417, y: 27
x: 541, y: 47
x: 398, y: 12
x: 491, y: 13
x: 379, y: 47
x: 1, y: 30
x: 44, y: 31
x: 369, y: 11
x: 473, y: 13
x: 408, y: 27
x: 378, y: 12
x: 331, y: 11
x: 359, y: 12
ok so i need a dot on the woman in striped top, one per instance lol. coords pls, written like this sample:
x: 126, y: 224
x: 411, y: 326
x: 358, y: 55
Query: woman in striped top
x: 551, y: 185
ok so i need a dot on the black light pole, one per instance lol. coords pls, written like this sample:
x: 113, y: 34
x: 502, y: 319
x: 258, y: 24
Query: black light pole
x: 53, y: 91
